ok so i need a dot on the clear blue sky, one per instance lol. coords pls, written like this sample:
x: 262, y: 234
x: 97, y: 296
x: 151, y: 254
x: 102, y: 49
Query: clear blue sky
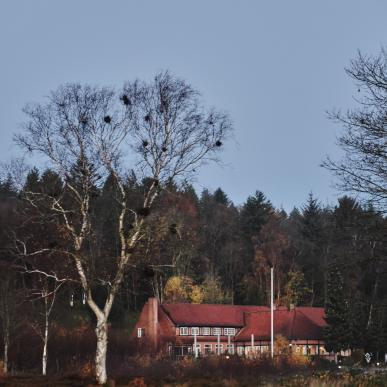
x: 275, y: 66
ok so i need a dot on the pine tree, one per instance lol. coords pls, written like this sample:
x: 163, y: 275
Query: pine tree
x: 313, y: 240
x: 337, y: 332
x: 254, y: 214
x: 296, y: 289
x: 221, y: 197
x: 32, y: 181
x: 7, y: 188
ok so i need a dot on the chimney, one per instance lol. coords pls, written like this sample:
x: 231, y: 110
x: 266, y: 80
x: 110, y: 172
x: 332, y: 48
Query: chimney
x: 153, y: 319
x: 154, y: 306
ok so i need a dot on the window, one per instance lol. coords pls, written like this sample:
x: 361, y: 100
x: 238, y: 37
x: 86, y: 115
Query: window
x: 140, y: 332
x: 206, y: 331
x: 216, y: 331
x: 194, y: 331
x: 183, y: 331
x: 218, y: 348
x: 230, y: 349
x: 207, y: 348
x: 229, y: 331
x: 197, y: 352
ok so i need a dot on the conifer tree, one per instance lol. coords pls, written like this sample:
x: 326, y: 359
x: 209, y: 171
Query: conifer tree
x: 221, y: 197
x: 337, y: 336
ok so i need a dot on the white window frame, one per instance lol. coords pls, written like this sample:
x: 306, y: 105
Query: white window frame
x: 220, y: 347
x: 195, y: 331
x: 140, y: 332
x: 183, y: 331
x: 207, y: 348
x: 206, y: 331
x: 216, y: 331
x: 230, y: 349
x: 229, y: 331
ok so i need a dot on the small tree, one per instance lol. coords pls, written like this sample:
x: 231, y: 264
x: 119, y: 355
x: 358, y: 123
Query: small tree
x: 43, y: 297
x: 296, y: 290
x: 213, y: 292
x: 281, y: 345
x: 10, y: 303
x: 178, y: 289
x: 85, y: 133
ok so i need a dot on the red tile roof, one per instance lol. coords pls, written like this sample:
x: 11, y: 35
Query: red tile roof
x: 209, y: 314
x: 302, y: 323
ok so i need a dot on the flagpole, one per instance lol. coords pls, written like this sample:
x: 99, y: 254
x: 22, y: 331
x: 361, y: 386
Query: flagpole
x: 272, y: 310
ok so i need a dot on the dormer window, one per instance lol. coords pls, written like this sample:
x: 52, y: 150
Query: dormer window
x: 183, y: 331
x: 229, y: 331
x: 206, y: 331
x: 194, y: 331
x: 216, y: 331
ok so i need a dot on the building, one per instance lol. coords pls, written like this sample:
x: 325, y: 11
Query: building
x: 200, y: 329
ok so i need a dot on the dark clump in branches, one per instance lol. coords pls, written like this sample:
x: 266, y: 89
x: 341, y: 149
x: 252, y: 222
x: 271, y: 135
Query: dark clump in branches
x: 125, y: 100
x: 148, y: 272
x: 144, y: 211
x: 107, y: 119
x: 173, y: 228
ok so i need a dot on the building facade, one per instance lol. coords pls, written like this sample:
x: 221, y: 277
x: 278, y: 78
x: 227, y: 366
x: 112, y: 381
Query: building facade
x: 202, y: 329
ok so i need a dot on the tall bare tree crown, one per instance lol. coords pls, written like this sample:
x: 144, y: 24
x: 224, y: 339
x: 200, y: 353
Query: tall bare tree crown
x: 363, y: 168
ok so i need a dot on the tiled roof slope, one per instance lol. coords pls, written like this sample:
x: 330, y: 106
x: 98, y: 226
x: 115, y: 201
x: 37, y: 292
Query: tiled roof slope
x: 209, y: 314
x: 300, y: 323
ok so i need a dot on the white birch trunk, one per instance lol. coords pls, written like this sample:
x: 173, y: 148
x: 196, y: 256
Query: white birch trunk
x: 5, y: 365
x: 45, y: 345
x: 100, y: 356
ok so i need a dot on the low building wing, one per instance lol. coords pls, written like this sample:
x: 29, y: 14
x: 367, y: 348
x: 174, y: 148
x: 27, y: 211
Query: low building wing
x: 297, y: 324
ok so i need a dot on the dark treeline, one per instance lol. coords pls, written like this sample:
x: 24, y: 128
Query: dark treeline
x: 195, y: 248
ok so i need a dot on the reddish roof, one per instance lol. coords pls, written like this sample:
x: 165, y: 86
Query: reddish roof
x: 301, y: 323
x: 209, y: 314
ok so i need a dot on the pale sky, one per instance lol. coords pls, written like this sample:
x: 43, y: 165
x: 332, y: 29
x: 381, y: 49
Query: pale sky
x: 275, y: 66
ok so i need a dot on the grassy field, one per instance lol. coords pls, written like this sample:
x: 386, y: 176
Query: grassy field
x: 323, y: 379
x: 145, y: 371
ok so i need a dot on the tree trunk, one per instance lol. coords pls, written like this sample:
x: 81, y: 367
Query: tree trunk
x: 45, y: 345
x: 100, y: 357
x: 6, y: 345
x: 373, y: 299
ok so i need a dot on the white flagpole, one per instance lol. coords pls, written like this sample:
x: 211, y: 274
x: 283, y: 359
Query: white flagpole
x: 272, y: 310
x: 218, y: 351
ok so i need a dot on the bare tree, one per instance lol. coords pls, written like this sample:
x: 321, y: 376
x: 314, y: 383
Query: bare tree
x: 363, y: 168
x: 86, y: 133
x: 44, y: 285
x: 44, y: 294
x: 10, y: 302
